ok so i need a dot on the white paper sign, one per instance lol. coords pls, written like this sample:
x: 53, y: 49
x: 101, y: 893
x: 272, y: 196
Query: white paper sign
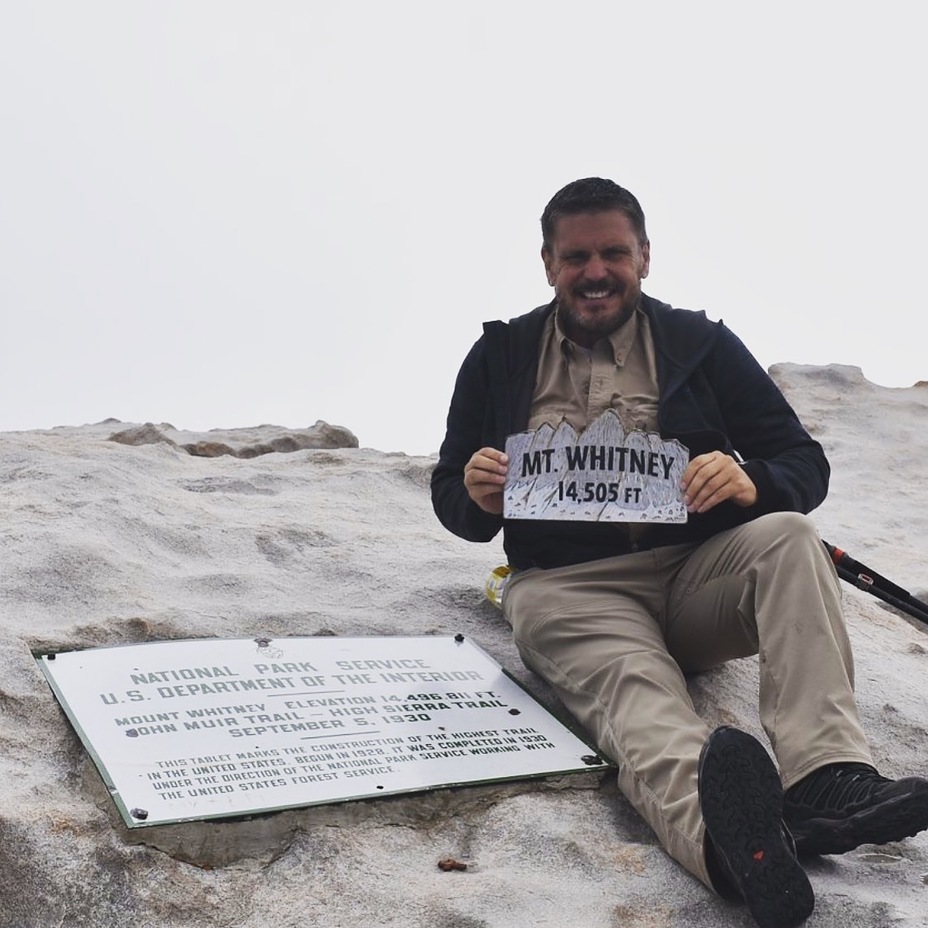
x: 211, y: 728
x: 602, y: 475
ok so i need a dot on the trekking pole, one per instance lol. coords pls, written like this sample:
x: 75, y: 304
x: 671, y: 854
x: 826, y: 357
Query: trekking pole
x: 870, y: 581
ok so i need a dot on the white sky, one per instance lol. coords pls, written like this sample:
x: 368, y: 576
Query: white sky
x: 226, y: 213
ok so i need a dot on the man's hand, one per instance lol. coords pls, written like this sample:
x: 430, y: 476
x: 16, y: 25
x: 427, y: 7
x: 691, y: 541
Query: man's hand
x: 484, y: 476
x: 712, y: 478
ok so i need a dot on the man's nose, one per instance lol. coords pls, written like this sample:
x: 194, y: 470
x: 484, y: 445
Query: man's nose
x: 595, y: 268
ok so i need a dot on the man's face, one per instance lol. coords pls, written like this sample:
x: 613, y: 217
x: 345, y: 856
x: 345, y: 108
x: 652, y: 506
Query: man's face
x: 596, y: 265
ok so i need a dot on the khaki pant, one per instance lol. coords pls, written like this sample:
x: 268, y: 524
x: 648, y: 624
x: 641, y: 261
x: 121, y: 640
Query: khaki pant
x: 614, y: 636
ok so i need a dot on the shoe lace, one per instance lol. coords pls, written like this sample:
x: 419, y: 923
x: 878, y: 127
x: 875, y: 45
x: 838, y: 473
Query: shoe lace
x: 838, y: 786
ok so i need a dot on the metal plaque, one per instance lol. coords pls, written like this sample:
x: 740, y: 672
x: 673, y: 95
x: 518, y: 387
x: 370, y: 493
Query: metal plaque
x: 213, y: 728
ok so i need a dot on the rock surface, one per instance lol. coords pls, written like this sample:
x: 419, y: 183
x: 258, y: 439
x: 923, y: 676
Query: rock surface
x: 105, y: 542
x: 239, y: 443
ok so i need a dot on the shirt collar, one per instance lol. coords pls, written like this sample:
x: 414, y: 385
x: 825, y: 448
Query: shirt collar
x: 620, y: 341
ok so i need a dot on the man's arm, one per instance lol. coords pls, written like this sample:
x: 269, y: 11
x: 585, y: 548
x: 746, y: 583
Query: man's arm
x: 462, y: 458
x: 787, y: 467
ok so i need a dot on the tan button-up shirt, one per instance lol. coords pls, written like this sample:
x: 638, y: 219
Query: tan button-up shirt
x: 579, y: 384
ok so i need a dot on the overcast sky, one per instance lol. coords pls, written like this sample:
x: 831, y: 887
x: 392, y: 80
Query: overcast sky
x: 220, y: 214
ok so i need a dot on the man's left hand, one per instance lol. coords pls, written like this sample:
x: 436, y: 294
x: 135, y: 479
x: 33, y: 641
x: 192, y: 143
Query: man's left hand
x: 713, y: 478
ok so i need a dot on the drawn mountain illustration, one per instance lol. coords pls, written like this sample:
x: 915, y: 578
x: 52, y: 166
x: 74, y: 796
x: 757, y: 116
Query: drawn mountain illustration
x: 602, y: 475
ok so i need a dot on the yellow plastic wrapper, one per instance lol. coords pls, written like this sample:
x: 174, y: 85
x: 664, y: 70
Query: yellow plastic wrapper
x: 497, y: 580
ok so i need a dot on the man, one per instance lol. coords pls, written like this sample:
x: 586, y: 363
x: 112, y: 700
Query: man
x: 613, y: 615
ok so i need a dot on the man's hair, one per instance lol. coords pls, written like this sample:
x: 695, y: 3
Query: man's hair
x: 591, y: 195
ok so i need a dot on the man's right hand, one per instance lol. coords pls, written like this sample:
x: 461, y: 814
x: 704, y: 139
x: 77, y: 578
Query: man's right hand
x: 484, y: 476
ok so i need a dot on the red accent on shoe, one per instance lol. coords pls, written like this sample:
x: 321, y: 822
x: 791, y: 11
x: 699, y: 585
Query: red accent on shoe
x: 759, y: 855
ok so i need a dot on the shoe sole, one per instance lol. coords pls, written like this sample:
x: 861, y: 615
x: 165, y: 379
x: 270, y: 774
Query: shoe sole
x: 742, y: 806
x: 893, y: 820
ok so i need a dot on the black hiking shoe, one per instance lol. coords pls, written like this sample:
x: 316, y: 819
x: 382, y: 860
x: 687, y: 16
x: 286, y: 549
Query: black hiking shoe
x: 841, y: 806
x: 742, y: 805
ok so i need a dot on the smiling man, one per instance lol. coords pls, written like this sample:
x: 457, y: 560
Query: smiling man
x: 613, y: 615
x: 595, y: 263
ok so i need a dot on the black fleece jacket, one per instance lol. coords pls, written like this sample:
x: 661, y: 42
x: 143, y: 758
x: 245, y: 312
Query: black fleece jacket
x: 713, y: 396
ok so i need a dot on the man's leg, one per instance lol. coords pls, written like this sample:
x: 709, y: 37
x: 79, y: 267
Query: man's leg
x: 594, y: 632
x: 591, y: 631
x: 768, y: 587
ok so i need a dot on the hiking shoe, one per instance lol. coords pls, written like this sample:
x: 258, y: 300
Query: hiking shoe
x: 742, y: 805
x: 841, y: 806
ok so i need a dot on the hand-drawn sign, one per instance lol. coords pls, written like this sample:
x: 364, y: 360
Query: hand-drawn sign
x: 602, y: 475
x: 210, y: 728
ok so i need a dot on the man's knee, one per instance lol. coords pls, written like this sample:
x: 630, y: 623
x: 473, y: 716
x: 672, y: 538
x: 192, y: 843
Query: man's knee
x: 545, y: 617
x: 537, y: 625
x: 524, y: 610
x: 789, y: 542
x: 790, y: 530
x: 788, y: 525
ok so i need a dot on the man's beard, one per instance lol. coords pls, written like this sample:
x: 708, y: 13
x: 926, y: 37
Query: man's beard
x: 599, y: 325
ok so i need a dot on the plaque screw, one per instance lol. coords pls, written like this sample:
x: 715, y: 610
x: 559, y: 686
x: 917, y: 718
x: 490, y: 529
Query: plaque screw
x: 140, y: 814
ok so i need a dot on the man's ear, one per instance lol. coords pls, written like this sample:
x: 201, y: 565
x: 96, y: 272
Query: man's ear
x: 645, y: 260
x: 548, y: 259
